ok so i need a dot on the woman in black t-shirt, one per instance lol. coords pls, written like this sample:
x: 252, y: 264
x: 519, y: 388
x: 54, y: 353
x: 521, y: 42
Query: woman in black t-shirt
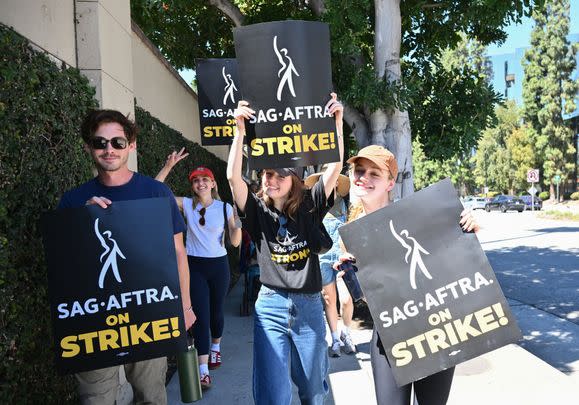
x: 289, y: 329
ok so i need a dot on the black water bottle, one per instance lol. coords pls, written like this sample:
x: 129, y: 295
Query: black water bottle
x: 351, y: 280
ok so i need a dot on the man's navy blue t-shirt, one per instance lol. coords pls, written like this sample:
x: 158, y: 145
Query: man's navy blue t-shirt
x: 139, y: 187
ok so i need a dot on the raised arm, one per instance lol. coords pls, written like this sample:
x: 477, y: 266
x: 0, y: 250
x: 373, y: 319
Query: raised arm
x: 172, y: 160
x: 235, y: 160
x: 333, y: 169
x: 234, y: 224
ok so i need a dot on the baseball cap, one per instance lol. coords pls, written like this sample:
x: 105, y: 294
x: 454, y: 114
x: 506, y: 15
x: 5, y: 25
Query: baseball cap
x: 286, y: 171
x: 201, y: 171
x: 380, y: 156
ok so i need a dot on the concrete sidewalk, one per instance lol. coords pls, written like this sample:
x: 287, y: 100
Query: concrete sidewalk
x: 509, y: 375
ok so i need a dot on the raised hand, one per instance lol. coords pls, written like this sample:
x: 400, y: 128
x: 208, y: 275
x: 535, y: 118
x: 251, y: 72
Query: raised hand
x: 242, y: 113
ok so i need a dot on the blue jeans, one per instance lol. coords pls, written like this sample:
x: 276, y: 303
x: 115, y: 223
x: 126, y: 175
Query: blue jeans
x: 328, y: 259
x: 289, y: 333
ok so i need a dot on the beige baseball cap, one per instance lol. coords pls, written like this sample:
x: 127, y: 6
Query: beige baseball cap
x: 380, y: 156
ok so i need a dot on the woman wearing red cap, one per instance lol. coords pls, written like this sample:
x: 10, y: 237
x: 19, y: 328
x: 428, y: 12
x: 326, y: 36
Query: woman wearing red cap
x: 289, y: 329
x: 372, y: 175
x: 208, y: 263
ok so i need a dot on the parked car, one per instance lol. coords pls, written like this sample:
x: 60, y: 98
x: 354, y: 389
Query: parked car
x: 474, y: 203
x: 505, y: 203
x: 538, y: 203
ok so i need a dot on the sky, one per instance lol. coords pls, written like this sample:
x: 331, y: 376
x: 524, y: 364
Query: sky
x: 519, y: 35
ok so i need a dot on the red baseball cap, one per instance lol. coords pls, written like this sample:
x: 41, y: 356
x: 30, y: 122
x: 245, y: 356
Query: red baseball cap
x: 201, y: 171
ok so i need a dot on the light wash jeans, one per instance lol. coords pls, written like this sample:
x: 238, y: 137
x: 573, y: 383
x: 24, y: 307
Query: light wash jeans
x: 289, y: 335
x: 328, y: 259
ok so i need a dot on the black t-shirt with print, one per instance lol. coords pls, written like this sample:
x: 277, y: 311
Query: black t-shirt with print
x: 290, y: 263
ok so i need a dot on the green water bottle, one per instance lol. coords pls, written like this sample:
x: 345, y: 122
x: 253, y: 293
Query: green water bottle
x: 189, y: 383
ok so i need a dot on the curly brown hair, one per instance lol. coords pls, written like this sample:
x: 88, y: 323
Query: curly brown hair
x: 95, y: 118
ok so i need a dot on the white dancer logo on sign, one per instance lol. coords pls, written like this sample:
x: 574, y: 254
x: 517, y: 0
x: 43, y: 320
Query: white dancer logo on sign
x: 416, y: 259
x: 288, y: 69
x: 229, y: 87
x: 110, y: 253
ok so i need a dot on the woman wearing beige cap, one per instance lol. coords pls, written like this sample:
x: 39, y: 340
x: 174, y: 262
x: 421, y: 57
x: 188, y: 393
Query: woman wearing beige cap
x: 289, y: 329
x: 372, y: 175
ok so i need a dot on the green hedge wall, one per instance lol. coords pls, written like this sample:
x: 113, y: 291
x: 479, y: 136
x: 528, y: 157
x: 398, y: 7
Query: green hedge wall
x: 41, y: 155
x: 156, y: 140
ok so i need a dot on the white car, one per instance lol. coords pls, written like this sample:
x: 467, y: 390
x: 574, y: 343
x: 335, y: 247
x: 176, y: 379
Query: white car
x: 474, y: 203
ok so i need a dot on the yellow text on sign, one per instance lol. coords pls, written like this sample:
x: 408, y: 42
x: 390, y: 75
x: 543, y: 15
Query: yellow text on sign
x: 122, y: 336
x: 450, y: 334
x: 290, y: 144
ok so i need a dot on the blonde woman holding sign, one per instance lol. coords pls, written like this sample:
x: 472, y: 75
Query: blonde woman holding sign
x: 372, y: 175
x: 289, y: 329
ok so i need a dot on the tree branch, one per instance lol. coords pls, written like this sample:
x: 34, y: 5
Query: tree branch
x: 317, y: 6
x: 359, y: 126
x: 230, y: 10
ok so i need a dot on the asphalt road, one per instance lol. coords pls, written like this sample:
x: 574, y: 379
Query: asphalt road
x: 536, y: 261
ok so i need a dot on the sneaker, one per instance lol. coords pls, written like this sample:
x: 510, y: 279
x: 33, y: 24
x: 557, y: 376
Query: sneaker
x: 214, y: 360
x: 205, y: 381
x: 348, y: 346
x: 334, y: 349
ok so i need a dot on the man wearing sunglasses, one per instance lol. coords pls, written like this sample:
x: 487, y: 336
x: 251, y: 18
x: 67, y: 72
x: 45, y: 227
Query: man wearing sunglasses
x: 109, y: 137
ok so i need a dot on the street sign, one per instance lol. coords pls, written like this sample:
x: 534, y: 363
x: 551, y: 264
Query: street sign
x: 532, y: 190
x: 557, y: 179
x: 533, y: 175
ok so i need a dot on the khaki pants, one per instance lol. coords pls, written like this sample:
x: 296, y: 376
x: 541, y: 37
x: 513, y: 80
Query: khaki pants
x: 99, y: 387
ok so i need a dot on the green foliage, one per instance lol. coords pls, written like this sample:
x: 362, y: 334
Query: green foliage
x: 156, y: 140
x: 492, y: 194
x: 448, y: 107
x: 544, y: 195
x: 506, y: 151
x: 454, y: 101
x: 41, y: 156
x: 560, y: 215
x: 429, y: 171
x: 575, y: 196
x: 548, y: 88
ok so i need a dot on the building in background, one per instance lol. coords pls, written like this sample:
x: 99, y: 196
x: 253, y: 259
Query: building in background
x: 508, y: 81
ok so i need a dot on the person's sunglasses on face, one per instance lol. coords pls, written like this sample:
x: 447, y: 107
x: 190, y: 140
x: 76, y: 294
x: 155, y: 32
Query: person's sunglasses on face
x: 117, y: 142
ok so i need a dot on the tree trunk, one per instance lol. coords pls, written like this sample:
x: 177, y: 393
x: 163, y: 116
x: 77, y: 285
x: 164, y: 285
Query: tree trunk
x: 391, y: 128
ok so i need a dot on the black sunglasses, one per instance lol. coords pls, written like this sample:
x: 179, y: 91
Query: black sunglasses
x: 282, y: 230
x: 101, y: 143
x: 202, y: 218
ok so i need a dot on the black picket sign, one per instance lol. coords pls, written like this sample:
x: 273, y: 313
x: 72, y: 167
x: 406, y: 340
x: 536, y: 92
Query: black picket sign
x: 431, y: 291
x: 285, y: 75
x: 113, y: 284
x: 218, y: 94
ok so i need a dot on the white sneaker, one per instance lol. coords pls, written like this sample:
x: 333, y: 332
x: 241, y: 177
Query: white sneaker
x: 348, y: 346
x: 334, y: 349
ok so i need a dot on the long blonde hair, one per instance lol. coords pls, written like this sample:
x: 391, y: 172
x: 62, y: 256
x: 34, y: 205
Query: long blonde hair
x: 214, y: 194
x: 296, y: 196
